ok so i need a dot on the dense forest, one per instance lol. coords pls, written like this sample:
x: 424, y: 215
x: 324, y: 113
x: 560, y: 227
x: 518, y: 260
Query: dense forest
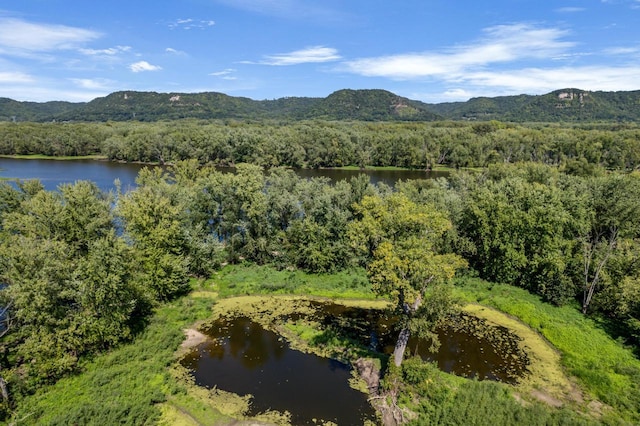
x: 83, y: 270
x: 549, y: 209
x: 566, y: 105
x: 313, y: 144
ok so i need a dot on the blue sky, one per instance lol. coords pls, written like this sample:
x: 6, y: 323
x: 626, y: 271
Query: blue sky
x: 431, y: 50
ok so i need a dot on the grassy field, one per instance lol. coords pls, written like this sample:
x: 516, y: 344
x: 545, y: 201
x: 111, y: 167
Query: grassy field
x: 606, y: 369
x: 141, y: 383
x: 129, y: 385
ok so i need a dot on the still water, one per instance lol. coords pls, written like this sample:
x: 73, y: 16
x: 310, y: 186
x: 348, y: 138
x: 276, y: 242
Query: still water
x: 244, y: 358
x: 468, y: 346
x: 55, y: 172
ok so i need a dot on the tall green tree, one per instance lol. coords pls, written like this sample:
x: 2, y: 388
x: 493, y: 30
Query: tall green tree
x: 614, y: 202
x: 152, y: 223
x: 522, y: 234
x: 398, y: 238
x: 71, y: 286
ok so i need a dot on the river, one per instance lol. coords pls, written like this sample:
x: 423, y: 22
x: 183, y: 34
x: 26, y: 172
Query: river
x: 55, y: 172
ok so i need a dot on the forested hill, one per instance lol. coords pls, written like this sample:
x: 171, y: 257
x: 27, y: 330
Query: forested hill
x: 368, y: 105
x: 567, y: 105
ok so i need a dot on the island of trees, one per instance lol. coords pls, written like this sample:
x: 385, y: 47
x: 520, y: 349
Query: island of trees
x: 539, y: 220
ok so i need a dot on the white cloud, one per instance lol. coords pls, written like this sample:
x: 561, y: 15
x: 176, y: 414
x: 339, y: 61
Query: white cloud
x: 510, y: 59
x: 45, y: 94
x: 622, y: 50
x: 189, y: 24
x: 92, y: 84
x: 143, y: 66
x: 314, y: 54
x: 225, y: 74
x: 542, y: 80
x: 635, y: 4
x: 18, y: 36
x: 222, y: 73
x: 15, y: 77
x: 502, y: 44
x: 173, y: 51
x: 455, y: 94
x: 111, y: 51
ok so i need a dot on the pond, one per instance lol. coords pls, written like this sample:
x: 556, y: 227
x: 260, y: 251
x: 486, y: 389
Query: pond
x: 244, y: 358
x: 468, y: 346
x: 55, y: 172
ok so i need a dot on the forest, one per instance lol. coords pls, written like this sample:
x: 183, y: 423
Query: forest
x: 568, y: 105
x: 578, y: 148
x: 84, y: 271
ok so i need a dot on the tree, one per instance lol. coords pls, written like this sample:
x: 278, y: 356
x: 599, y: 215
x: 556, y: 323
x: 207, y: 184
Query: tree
x: 521, y: 233
x: 151, y: 220
x: 398, y: 239
x: 69, y: 283
x: 614, y: 211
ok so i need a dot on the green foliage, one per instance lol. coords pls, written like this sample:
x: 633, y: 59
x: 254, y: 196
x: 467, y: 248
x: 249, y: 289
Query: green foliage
x: 152, y: 221
x: 374, y: 105
x: 607, y: 369
x: 566, y: 105
x: 522, y: 234
x: 233, y: 280
x: 76, y: 285
x: 70, y: 287
x: 398, y: 240
x: 581, y: 150
x: 125, y: 385
x: 439, y: 399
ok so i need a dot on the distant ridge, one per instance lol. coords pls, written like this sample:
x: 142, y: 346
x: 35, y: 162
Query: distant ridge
x: 566, y: 105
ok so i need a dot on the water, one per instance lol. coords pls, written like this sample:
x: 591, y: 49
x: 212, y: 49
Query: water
x: 468, y: 346
x: 53, y: 172
x: 244, y: 358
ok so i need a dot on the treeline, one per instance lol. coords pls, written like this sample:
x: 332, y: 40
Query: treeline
x: 315, y: 144
x: 559, y: 106
x: 81, y: 270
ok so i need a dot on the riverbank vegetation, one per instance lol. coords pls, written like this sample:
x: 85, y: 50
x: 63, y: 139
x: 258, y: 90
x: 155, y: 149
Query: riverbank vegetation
x: 141, y: 389
x: 580, y: 148
x: 88, y: 276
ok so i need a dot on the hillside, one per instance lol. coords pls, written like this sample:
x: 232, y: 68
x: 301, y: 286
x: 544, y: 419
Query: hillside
x: 11, y: 110
x: 370, y: 105
x: 566, y: 105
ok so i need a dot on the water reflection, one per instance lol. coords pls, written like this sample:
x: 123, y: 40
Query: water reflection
x: 52, y: 173
x: 469, y: 347
x: 243, y: 358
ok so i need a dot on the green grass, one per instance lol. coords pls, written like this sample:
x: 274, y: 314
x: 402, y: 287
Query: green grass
x: 237, y: 280
x: 126, y: 385
x: 443, y: 399
x: 605, y: 368
x: 138, y: 383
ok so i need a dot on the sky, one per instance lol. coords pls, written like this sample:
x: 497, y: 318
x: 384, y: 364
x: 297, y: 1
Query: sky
x: 429, y: 50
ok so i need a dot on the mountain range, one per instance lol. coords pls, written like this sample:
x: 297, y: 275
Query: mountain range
x: 566, y: 105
